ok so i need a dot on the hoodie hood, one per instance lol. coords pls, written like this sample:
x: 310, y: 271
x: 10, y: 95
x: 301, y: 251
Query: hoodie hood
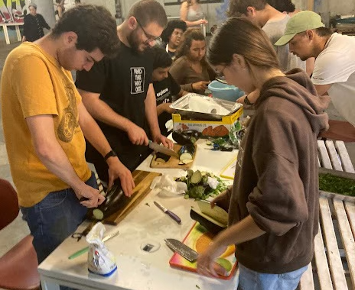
x: 298, y: 88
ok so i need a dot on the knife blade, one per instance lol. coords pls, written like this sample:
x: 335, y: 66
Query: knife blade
x: 160, y: 148
x: 84, y: 250
x: 168, y: 212
x: 183, y: 250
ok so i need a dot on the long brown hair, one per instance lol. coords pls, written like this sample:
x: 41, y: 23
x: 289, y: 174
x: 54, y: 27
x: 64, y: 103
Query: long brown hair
x: 187, y: 38
x: 240, y: 36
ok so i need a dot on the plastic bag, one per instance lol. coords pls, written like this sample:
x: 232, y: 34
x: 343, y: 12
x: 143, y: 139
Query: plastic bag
x: 100, y: 260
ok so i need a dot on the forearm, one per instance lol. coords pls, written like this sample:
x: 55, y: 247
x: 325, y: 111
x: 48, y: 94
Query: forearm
x: 243, y: 231
x: 187, y: 87
x: 56, y: 161
x: 151, y: 111
x: 160, y: 109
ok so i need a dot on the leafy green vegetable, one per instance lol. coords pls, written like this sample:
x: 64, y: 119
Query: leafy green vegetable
x: 198, y: 187
x: 341, y: 185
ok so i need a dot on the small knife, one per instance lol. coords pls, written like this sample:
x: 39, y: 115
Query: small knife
x: 183, y: 250
x: 160, y: 148
x: 168, y: 212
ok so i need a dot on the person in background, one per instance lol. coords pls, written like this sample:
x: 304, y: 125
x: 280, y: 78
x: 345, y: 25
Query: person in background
x: 334, y: 67
x: 190, y: 69
x: 118, y: 91
x: 33, y: 24
x: 273, y: 205
x: 44, y: 125
x: 60, y: 8
x: 287, y: 7
x: 172, y: 35
x: 165, y: 87
x: 191, y: 12
x: 273, y: 23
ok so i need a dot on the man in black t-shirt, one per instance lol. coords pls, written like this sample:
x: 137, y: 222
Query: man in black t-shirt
x: 165, y: 86
x: 118, y: 92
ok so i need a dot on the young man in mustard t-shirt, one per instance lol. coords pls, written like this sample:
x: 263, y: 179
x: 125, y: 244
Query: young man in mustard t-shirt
x: 45, y: 123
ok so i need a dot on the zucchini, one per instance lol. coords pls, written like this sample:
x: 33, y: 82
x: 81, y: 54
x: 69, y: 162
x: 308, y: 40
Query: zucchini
x: 115, y: 200
x: 196, y: 177
x: 186, y: 152
x: 181, y: 139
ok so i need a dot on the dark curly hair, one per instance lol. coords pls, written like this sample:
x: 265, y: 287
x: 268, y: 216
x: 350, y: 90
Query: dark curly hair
x: 160, y: 57
x: 94, y: 26
x: 282, y: 5
x: 173, y: 24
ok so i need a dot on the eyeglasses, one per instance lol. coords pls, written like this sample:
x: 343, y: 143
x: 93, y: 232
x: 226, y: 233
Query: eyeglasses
x: 220, y: 75
x: 150, y: 38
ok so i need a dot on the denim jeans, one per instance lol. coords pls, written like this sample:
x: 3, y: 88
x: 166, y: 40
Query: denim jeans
x: 55, y: 218
x: 251, y: 280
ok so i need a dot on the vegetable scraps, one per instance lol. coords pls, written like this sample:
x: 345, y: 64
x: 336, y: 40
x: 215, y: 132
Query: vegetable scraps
x: 336, y: 184
x: 201, y: 185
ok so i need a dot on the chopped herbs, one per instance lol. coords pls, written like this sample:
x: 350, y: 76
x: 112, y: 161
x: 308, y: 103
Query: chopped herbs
x: 341, y: 185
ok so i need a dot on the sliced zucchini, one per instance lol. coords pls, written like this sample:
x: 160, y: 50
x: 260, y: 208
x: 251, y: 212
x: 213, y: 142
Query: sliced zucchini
x: 196, y: 177
x: 98, y: 214
x: 185, y: 156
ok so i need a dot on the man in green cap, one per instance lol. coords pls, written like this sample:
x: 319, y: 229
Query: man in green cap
x: 334, y: 68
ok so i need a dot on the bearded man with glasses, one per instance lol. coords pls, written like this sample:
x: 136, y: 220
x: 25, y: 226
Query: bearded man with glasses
x: 118, y: 92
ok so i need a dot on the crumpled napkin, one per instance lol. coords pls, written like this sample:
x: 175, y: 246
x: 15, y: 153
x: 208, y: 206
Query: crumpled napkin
x: 168, y: 186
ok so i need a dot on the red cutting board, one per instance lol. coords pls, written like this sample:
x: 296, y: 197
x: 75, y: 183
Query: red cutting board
x: 198, y: 239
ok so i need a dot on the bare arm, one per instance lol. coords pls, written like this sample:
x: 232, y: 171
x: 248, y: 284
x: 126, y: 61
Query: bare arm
x: 94, y: 135
x: 243, y: 231
x: 54, y: 158
x: 101, y: 111
x: 152, y: 118
x: 183, y: 16
x: 322, y: 89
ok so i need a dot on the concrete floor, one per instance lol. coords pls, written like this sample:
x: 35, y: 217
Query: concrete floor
x: 18, y: 229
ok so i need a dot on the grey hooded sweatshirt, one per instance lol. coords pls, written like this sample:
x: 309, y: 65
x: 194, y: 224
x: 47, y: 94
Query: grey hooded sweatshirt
x: 276, y: 179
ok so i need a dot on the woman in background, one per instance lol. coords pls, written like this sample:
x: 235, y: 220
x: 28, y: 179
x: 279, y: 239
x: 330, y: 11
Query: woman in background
x: 191, y: 12
x: 190, y: 69
x: 273, y: 206
x: 33, y: 25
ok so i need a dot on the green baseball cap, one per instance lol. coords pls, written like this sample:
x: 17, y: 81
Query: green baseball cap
x: 302, y: 21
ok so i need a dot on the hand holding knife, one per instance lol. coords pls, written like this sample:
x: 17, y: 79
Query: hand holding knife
x: 168, y: 212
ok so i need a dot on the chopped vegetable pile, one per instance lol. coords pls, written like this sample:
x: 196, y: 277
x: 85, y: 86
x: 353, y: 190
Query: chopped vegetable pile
x: 201, y: 185
x: 331, y: 183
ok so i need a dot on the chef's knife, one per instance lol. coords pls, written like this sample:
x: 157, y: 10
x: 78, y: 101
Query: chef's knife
x: 160, y: 148
x: 183, y: 250
x: 168, y: 212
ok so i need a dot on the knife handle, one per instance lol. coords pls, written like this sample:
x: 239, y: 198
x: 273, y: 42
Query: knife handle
x: 173, y: 216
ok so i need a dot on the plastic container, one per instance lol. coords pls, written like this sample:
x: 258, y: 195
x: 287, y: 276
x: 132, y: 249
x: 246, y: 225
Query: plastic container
x: 224, y: 91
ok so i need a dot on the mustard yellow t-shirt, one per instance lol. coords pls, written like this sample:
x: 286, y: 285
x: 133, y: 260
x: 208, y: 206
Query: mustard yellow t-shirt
x: 33, y: 83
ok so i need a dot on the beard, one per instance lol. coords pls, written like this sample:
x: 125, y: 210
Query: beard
x: 135, y: 43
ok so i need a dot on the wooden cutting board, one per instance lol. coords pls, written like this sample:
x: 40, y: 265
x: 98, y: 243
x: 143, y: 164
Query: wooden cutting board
x: 173, y: 162
x: 142, y: 179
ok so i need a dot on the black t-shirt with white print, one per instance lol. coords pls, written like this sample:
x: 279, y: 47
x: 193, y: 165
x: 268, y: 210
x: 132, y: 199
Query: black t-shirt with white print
x: 122, y: 83
x: 164, y: 91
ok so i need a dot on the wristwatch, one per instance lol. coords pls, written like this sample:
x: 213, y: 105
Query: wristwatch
x: 110, y: 154
x: 247, y: 102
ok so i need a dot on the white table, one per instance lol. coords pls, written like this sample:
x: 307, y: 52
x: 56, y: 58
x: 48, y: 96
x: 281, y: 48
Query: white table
x: 137, y: 269
x: 6, y: 33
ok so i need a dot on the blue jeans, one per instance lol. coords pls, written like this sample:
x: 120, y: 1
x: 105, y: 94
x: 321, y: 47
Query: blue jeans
x: 55, y: 218
x: 251, y: 280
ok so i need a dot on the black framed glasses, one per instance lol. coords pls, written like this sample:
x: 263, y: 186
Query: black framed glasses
x: 149, y: 36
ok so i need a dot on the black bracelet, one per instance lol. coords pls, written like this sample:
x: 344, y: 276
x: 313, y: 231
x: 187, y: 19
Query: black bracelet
x: 110, y: 154
x: 247, y: 102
